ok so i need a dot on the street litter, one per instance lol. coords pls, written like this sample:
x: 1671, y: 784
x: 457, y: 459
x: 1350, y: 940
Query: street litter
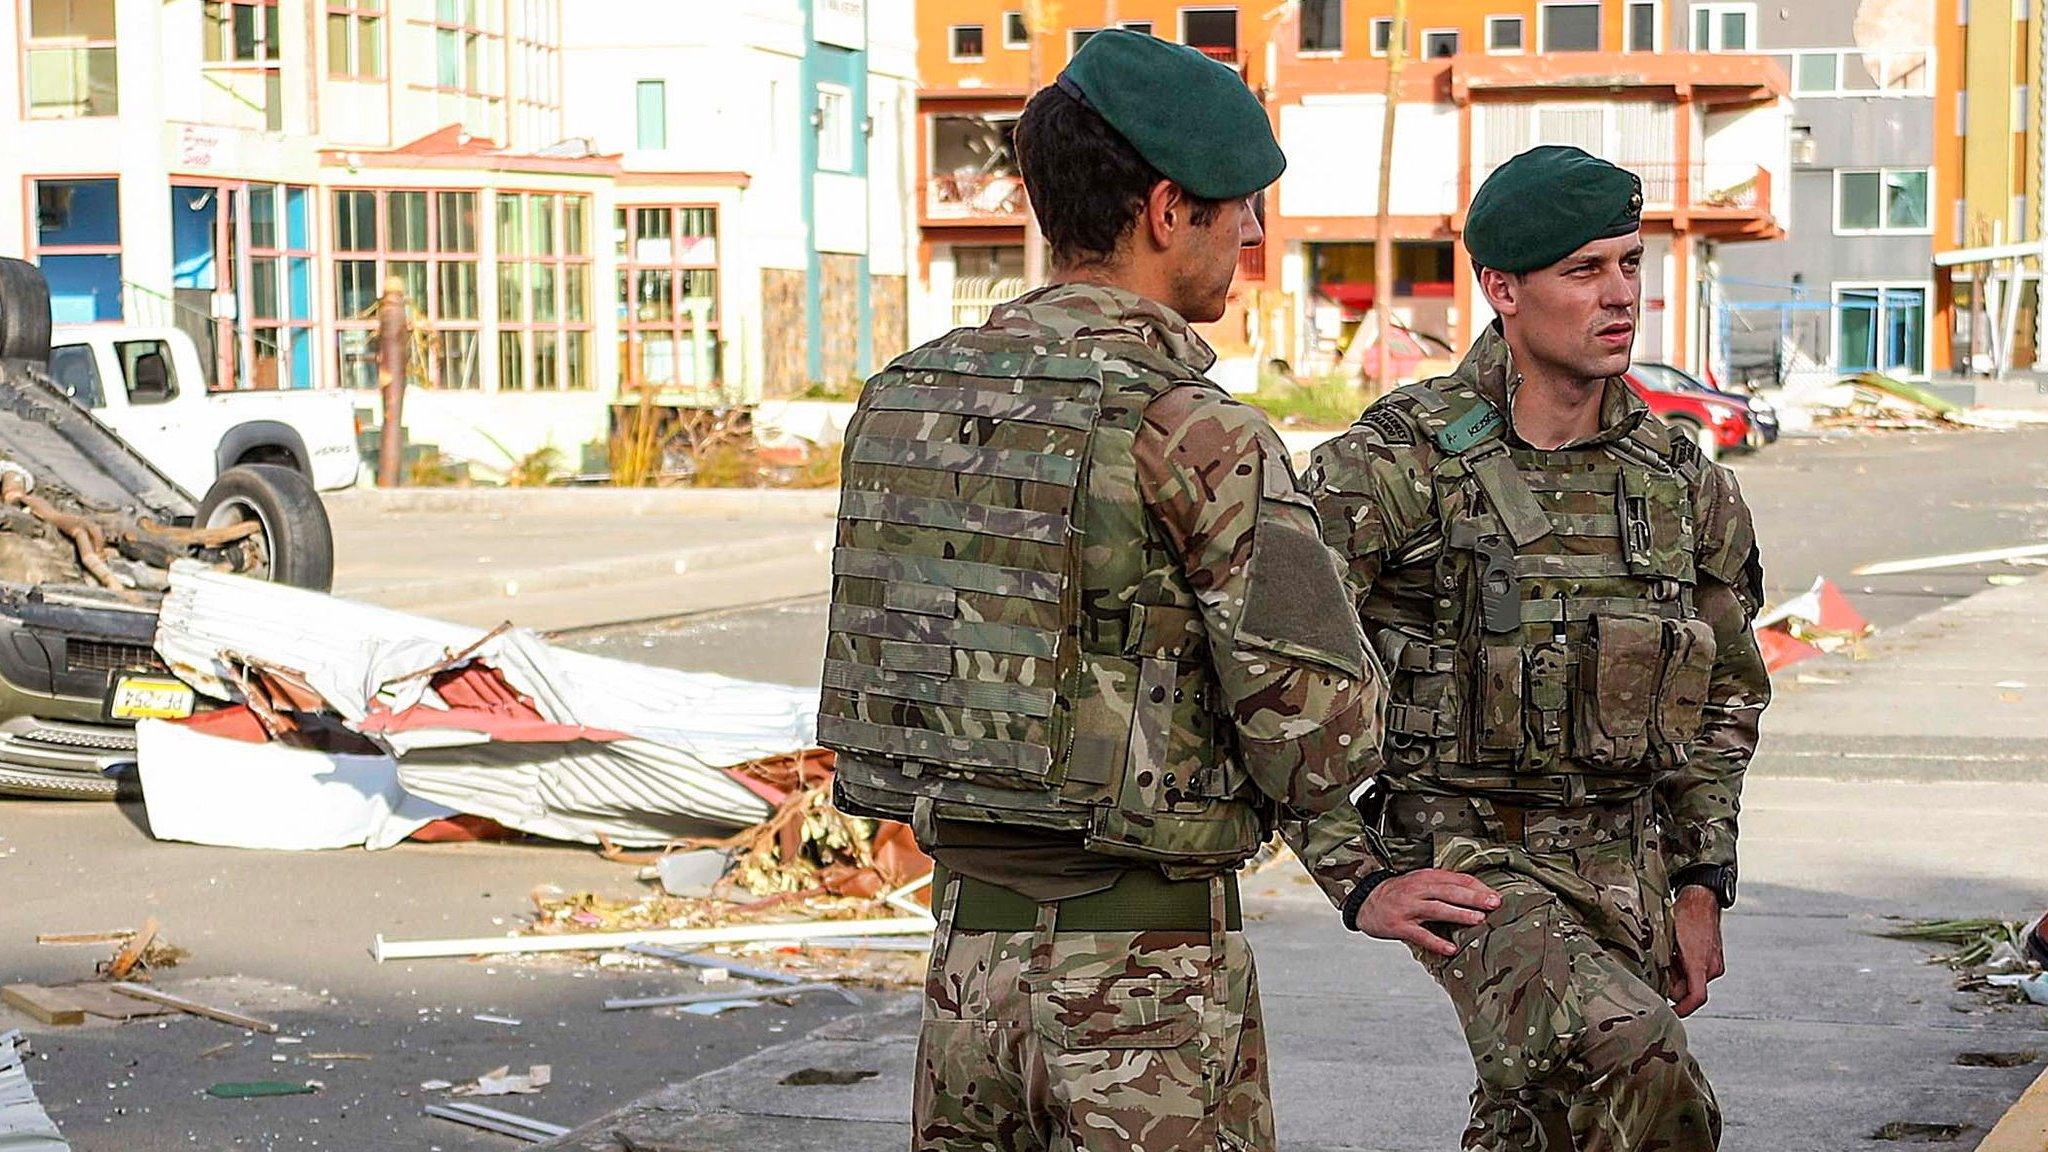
x: 24, y: 1126
x: 495, y: 1020
x: 716, y: 964
x: 680, y: 937
x: 496, y: 724
x: 491, y: 1120
x: 43, y: 1005
x: 257, y: 1089
x: 1818, y: 621
x: 619, y: 1004
x: 834, y: 1077
x: 195, y: 1008
x: 719, y: 1007
x: 1953, y: 560
x: 1867, y: 401
x: 112, y: 936
x: 503, y: 1082
x: 142, y: 953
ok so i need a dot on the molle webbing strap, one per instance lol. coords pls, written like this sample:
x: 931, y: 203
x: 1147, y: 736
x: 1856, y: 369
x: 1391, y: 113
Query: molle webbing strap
x: 963, y: 575
x: 1572, y: 567
x: 961, y: 515
x: 1011, y: 756
x: 1077, y: 415
x: 1543, y: 480
x: 882, y: 624
x: 847, y: 676
x: 1604, y: 525
x: 939, y: 456
x: 1577, y: 610
x: 966, y: 360
x: 1509, y: 494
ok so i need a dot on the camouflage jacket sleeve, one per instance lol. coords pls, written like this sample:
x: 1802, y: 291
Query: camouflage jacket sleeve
x: 1306, y: 698
x: 1372, y: 493
x: 1702, y: 799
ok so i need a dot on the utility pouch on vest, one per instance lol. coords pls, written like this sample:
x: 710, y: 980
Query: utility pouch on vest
x: 1655, y: 515
x: 1500, y: 600
x: 1498, y: 709
x: 1619, y: 674
x: 1549, y: 693
x: 1688, y: 669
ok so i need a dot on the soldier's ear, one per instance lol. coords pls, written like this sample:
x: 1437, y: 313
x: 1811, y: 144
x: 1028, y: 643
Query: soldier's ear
x: 1164, y: 213
x: 1502, y: 291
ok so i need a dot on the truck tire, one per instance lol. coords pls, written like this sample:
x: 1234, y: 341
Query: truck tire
x: 59, y: 784
x: 297, y: 540
x: 24, y: 312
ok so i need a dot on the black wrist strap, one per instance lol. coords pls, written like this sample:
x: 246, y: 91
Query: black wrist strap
x: 1361, y: 892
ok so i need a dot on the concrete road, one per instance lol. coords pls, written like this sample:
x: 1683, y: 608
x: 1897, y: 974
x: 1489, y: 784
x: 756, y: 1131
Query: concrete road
x: 288, y: 935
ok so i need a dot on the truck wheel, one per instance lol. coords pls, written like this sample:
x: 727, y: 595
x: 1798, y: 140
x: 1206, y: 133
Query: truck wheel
x: 296, y: 545
x: 24, y: 312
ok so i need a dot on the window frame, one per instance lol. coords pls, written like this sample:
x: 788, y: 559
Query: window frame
x: 1923, y: 88
x: 1180, y: 21
x: 1023, y: 41
x: 30, y: 44
x: 1883, y: 208
x: 953, y: 53
x: 640, y: 125
x: 35, y: 249
x: 380, y: 255
x: 221, y: 37
x: 629, y: 268
x: 282, y: 254
x: 1717, y: 9
x: 489, y: 54
x: 1657, y: 32
x: 560, y: 261
x: 355, y: 13
x: 1422, y: 43
x: 841, y: 154
x: 1838, y: 289
x: 1373, y: 28
x: 1543, y: 9
x: 1320, y: 53
x: 1521, y: 35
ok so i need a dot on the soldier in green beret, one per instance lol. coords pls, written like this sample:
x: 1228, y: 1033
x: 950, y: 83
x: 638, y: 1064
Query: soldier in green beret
x: 1087, y: 641
x: 1561, y: 589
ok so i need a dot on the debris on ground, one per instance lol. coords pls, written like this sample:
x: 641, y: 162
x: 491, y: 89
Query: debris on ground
x: 1920, y: 1132
x: 832, y: 1077
x: 2021, y: 555
x: 110, y: 936
x: 1994, y: 958
x: 257, y: 1089
x: 502, y: 1081
x: 43, y: 1005
x: 622, y: 1003
x: 141, y: 953
x: 1819, y: 621
x: 491, y: 1120
x: 195, y: 1008
x: 24, y: 1125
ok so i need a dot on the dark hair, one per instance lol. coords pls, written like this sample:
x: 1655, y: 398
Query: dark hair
x: 1086, y: 183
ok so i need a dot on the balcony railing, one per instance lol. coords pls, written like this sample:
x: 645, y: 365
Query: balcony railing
x: 997, y: 197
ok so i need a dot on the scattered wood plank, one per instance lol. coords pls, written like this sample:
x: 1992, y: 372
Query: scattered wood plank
x: 44, y: 1005
x: 132, y: 952
x: 491, y: 1120
x: 195, y: 1008
x: 111, y: 936
x: 104, y: 1002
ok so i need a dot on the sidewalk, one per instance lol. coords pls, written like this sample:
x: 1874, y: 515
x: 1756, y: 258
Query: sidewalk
x: 1912, y: 782
x: 552, y: 559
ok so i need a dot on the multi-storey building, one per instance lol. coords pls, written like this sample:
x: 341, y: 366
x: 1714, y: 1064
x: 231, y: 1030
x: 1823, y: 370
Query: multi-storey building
x: 1484, y: 79
x: 1849, y: 289
x: 697, y: 198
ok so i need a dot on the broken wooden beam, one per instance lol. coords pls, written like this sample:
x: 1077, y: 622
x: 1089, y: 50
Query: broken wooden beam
x: 195, y: 1008
x: 43, y: 1005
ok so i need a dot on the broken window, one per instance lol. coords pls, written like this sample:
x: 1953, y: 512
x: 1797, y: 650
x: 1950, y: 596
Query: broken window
x: 974, y: 167
x: 1322, y: 25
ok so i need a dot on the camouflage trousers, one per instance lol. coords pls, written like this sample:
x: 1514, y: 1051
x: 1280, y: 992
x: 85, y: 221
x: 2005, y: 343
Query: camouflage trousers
x: 1050, y: 1041
x: 1561, y: 990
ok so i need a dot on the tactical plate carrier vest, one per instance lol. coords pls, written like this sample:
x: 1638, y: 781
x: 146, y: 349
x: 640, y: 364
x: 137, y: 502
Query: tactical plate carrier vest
x: 1563, y: 640
x: 1010, y: 641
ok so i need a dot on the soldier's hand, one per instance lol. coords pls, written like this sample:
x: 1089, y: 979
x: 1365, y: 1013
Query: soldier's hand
x: 1697, y: 958
x: 1403, y: 908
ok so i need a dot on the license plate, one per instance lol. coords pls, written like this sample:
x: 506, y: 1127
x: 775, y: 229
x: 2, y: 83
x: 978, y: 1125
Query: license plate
x: 135, y: 697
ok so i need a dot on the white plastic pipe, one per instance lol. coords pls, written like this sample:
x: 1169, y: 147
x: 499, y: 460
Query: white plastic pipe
x: 670, y: 937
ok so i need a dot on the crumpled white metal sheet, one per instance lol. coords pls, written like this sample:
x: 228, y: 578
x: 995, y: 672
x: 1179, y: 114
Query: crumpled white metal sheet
x: 663, y: 779
x: 24, y: 1126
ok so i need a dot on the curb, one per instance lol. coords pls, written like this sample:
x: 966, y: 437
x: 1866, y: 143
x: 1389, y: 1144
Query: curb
x: 2024, y: 1127
x: 778, y: 504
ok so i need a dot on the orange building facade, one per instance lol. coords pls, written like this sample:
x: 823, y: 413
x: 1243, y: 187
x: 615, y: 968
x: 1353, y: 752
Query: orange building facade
x: 1482, y: 80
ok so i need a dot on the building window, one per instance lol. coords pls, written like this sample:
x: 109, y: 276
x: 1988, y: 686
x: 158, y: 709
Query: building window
x: 429, y: 241
x: 1015, y: 33
x: 68, y: 59
x: 1440, y: 44
x: 1642, y: 27
x: 1504, y: 35
x: 1881, y: 201
x: 355, y: 39
x: 78, y: 245
x: 1569, y: 28
x: 668, y: 295
x: 241, y: 31
x: 280, y: 296
x: 835, y: 128
x: 1142, y: 27
x: 650, y: 110
x: 1322, y: 25
x: 543, y: 291
x: 464, y: 49
x: 966, y: 42
x: 1211, y: 31
x: 1854, y: 72
x: 1723, y: 27
x: 1380, y: 35
x: 1881, y: 329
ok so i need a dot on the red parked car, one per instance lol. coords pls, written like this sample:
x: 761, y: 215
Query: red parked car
x: 1717, y: 425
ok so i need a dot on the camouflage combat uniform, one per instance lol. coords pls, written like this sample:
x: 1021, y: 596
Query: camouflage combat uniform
x: 1576, y: 693
x: 1086, y: 638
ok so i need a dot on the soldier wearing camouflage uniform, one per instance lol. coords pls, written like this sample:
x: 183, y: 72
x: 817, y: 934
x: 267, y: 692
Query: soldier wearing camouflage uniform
x: 1086, y: 640
x: 1561, y: 589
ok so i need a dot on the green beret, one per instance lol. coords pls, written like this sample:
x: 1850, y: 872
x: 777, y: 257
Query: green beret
x: 1546, y: 204
x: 1187, y: 115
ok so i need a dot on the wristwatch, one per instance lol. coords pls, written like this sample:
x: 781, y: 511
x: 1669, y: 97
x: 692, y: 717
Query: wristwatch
x: 1361, y: 892
x: 1716, y: 878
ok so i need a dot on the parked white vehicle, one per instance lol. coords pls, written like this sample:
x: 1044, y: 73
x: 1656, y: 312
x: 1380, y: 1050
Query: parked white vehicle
x: 147, y: 384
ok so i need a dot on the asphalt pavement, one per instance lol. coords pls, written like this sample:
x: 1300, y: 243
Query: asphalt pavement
x: 289, y: 934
